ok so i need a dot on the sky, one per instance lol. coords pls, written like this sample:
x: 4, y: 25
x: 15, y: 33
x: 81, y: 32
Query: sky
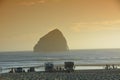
x: 86, y: 24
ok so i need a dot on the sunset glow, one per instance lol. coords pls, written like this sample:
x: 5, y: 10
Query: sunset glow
x: 86, y: 24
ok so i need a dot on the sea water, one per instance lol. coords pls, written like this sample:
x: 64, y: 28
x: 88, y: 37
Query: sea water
x: 30, y: 58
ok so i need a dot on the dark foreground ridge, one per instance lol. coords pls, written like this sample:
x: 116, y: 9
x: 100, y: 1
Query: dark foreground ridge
x: 76, y: 75
x: 54, y: 41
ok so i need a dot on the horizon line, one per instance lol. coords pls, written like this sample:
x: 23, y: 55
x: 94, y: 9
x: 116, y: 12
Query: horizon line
x: 68, y: 50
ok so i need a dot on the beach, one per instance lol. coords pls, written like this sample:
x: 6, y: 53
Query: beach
x: 98, y: 74
x: 81, y: 57
x: 89, y: 65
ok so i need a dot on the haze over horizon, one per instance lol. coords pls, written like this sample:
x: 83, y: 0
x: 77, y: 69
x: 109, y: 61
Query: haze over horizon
x: 86, y: 24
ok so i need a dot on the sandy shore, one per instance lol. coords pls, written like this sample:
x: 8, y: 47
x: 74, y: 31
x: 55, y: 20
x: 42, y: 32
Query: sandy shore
x: 76, y: 75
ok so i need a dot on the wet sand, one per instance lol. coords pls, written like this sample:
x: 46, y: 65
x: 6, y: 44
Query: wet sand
x: 100, y: 74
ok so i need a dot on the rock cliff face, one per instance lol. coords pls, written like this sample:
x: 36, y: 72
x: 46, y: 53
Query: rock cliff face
x: 54, y: 41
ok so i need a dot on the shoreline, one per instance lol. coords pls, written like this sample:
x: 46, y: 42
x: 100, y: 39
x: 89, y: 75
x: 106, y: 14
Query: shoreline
x: 76, y: 67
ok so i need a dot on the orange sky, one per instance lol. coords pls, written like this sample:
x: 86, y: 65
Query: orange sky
x: 86, y: 24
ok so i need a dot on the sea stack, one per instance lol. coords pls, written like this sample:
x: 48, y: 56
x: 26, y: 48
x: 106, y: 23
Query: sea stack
x: 54, y: 41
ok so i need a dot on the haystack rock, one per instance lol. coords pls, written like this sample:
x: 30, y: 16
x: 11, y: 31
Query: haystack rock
x: 54, y: 41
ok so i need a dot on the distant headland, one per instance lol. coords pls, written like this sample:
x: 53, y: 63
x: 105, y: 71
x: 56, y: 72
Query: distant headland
x: 54, y: 41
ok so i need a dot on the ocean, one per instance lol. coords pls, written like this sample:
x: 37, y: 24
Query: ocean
x: 29, y: 58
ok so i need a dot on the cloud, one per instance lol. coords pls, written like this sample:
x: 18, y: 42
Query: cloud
x: 31, y: 2
x: 101, y: 23
x: 96, y: 26
x: 34, y: 2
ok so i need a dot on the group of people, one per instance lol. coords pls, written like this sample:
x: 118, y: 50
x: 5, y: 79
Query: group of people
x: 59, y: 68
x: 20, y: 70
x: 108, y: 67
x: 68, y: 67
